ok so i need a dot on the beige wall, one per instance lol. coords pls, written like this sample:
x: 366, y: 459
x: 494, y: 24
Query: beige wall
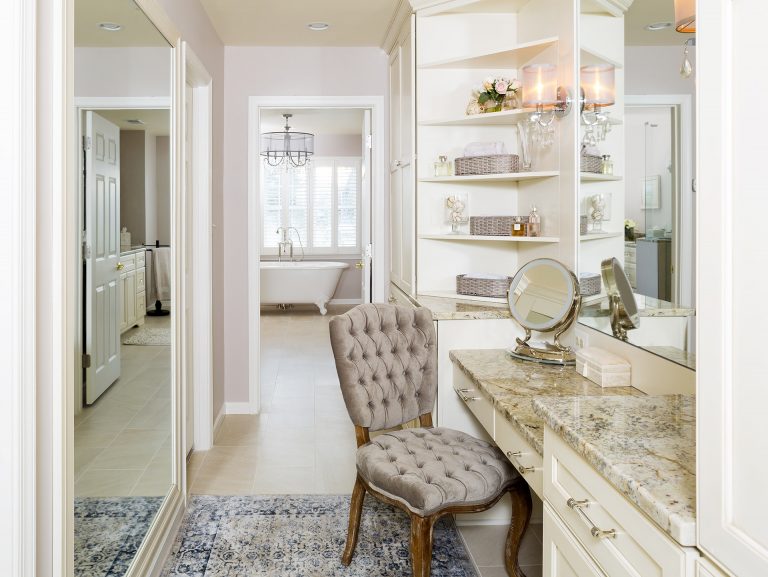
x: 196, y: 29
x: 132, y: 182
x: 123, y: 72
x: 163, y: 200
x: 272, y: 71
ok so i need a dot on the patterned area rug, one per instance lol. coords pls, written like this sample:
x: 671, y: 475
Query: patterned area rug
x: 303, y: 536
x: 108, y: 532
x: 148, y: 336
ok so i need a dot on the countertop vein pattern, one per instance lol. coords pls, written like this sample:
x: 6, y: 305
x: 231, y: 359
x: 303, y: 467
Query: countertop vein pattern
x: 511, y: 385
x: 645, y: 446
x: 448, y: 309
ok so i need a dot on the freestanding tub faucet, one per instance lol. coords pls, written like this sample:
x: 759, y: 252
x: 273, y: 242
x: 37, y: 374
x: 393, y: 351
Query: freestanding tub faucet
x: 285, y: 246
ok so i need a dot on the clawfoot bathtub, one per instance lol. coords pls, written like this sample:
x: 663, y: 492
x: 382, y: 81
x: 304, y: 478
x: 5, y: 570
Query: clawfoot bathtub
x: 305, y: 282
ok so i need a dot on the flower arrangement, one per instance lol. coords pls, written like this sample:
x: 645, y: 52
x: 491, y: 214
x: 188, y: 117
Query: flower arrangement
x: 495, y: 90
x: 629, y: 229
x: 456, y: 205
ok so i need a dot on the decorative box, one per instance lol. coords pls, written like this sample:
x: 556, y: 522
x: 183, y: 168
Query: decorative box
x: 603, y: 368
x: 583, y: 222
x: 589, y: 284
x: 483, y: 285
x: 493, y: 225
x: 491, y: 164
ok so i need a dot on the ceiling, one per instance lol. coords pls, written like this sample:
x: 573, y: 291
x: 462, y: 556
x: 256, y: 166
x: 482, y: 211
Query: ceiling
x: 156, y: 121
x: 327, y: 121
x: 644, y: 12
x: 136, y: 30
x: 263, y: 23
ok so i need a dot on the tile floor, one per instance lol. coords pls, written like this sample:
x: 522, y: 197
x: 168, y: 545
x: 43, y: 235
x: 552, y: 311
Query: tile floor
x: 123, y: 440
x: 303, y: 441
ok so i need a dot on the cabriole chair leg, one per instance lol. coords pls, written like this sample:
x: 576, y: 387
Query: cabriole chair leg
x: 521, y: 516
x: 421, y: 545
x: 355, y: 512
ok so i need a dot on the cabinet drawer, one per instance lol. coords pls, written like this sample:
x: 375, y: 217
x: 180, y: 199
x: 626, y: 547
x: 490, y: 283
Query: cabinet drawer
x: 141, y: 259
x: 480, y: 406
x: 563, y: 555
x: 522, y: 455
x: 141, y: 305
x: 128, y: 262
x: 630, y: 544
x: 140, y: 279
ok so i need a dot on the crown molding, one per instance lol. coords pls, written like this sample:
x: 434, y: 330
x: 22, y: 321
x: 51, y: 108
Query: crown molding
x: 401, y: 14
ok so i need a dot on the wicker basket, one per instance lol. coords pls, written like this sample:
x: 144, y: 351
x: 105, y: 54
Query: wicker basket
x: 493, y: 164
x: 589, y: 284
x: 493, y: 225
x: 482, y: 287
x: 591, y: 163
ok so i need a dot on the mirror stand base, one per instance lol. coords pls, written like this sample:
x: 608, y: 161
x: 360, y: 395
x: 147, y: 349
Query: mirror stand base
x: 547, y: 356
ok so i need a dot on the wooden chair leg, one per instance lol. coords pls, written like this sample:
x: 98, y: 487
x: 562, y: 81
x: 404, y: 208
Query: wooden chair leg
x: 521, y: 516
x: 421, y: 545
x: 355, y: 511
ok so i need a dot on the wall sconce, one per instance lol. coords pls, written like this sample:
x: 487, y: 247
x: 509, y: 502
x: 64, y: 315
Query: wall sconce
x: 685, y: 16
x: 598, y: 91
x: 540, y: 91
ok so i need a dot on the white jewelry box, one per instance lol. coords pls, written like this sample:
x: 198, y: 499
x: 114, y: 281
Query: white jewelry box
x: 603, y: 368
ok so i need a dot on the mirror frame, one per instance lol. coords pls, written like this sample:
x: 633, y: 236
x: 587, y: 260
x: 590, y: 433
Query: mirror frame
x: 553, y: 353
x: 624, y: 312
x: 150, y: 554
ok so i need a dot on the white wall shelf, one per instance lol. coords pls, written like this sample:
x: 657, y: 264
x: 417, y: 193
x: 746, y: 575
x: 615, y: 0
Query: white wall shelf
x: 505, y: 59
x: 590, y: 56
x: 595, y: 177
x: 454, y: 295
x: 482, y: 238
x: 599, y: 236
x: 503, y: 177
x: 487, y: 119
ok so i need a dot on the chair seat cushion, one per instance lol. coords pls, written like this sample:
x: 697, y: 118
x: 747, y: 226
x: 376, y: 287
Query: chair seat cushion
x: 431, y: 469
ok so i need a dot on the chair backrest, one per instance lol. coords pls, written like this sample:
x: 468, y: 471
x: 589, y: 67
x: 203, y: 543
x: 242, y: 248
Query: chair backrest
x: 386, y: 359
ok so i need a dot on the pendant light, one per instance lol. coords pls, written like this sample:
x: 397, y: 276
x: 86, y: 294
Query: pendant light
x: 685, y: 16
x: 292, y: 149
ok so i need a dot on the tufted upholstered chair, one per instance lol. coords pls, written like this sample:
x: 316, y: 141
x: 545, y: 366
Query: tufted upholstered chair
x: 386, y: 359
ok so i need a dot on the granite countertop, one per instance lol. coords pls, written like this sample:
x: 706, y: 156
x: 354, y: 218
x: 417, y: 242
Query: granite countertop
x: 446, y: 308
x: 645, y: 447
x: 512, y: 384
x: 647, y: 307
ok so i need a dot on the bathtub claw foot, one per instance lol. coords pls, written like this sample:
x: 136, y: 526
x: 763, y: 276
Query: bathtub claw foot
x: 322, y: 308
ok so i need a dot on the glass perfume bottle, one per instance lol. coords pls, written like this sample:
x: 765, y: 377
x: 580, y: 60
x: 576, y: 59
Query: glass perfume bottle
x: 519, y: 226
x: 607, y: 164
x: 443, y: 167
x: 534, y: 222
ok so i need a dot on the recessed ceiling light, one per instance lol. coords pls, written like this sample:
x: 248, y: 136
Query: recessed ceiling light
x: 658, y: 26
x: 110, y: 26
x: 135, y: 121
x: 318, y: 26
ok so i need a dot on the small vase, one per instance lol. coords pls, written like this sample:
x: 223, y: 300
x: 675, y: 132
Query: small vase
x: 510, y: 101
x: 493, y: 105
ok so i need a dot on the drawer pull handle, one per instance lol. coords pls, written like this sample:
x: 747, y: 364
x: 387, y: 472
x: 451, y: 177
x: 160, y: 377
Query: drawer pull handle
x: 525, y: 470
x: 464, y: 397
x: 510, y: 454
x: 574, y: 504
x: 598, y: 533
x: 466, y: 390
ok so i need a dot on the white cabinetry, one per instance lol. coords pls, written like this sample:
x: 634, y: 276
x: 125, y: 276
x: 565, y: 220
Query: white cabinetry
x: 133, y: 301
x: 563, y: 555
x: 605, y: 525
x: 402, y: 198
x: 731, y: 372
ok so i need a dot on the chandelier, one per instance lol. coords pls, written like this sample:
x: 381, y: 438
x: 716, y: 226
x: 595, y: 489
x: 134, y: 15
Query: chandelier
x: 288, y: 148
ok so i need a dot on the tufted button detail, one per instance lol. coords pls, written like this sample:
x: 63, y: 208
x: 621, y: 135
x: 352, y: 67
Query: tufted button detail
x: 384, y: 402
x: 417, y: 394
x: 361, y: 381
x: 370, y: 404
x: 378, y: 353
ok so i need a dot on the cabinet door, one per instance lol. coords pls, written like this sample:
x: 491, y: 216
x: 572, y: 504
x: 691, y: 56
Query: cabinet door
x: 563, y: 554
x: 129, y: 298
x: 121, y: 302
x: 731, y: 372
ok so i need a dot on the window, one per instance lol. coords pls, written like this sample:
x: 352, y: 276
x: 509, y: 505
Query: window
x: 322, y: 201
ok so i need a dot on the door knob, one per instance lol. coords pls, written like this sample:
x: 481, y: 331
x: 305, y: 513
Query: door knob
x: 360, y: 265
x: 120, y: 266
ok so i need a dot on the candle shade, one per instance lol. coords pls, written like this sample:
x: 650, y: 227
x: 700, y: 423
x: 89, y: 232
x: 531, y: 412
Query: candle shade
x: 539, y: 85
x: 685, y: 16
x: 599, y: 84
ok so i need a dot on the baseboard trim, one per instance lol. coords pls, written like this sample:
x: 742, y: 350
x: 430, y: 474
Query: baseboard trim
x: 218, y: 422
x: 238, y: 408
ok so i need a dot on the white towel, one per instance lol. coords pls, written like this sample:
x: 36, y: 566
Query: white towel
x: 484, y: 148
x: 161, y: 263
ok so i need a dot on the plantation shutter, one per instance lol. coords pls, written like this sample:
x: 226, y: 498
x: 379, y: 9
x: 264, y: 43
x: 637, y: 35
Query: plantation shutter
x: 298, y: 201
x: 271, y: 204
x: 322, y: 194
x: 347, y: 185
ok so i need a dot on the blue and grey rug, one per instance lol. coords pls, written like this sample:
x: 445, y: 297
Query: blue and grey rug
x: 108, y: 532
x: 303, y: 536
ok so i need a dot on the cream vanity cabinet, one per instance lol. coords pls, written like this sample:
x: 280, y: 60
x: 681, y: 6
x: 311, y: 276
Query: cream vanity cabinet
x: 133, y: 300
x: 588, y: 523
x: 402, y: 208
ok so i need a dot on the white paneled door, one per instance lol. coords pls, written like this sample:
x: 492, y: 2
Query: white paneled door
x: 101, y: 253
x: 365, y: 219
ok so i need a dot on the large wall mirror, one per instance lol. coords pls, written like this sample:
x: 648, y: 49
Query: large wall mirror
x: 124, y: 413
x: 637, y: 192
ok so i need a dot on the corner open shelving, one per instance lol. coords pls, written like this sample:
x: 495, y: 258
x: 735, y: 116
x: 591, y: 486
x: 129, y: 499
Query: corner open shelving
x: 454, y: 295
x: 596, y: 177
x: 599, y: 236
x: 501, y: 177
x: 487, y: 119
x: 480, y: 238
x: 590, y: 56
x: 506, y: 58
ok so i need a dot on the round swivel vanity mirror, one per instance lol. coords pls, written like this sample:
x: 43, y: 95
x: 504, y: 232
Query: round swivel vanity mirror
x: 544, y: 297
x: 621, y: 298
